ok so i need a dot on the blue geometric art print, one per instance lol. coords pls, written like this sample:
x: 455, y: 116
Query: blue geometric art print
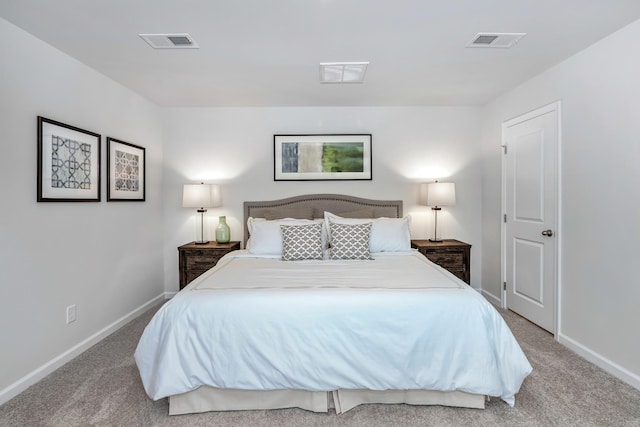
x: 127, y: 171
x: 70, y: 164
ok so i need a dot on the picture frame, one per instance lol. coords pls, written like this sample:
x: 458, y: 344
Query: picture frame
x: 322, y: 157
x: 126, y: 171
x: 68, y: 163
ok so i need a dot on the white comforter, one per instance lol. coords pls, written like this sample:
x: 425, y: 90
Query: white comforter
x: 328, y: 325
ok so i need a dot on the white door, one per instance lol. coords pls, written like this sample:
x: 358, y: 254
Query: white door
x: 530, y: 204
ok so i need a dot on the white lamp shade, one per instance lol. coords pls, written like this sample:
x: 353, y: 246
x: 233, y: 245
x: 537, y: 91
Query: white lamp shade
x: 441, y: 194
x: 201, y: 196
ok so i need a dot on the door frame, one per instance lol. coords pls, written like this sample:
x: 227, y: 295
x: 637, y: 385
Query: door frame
x: 554, y: 106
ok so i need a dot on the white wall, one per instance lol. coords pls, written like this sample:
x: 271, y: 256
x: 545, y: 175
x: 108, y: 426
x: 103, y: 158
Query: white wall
x: 234, y: 148
x: 600, y: 229
x: 104, y: 257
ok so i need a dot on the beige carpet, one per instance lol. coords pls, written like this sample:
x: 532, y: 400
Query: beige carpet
x: 102, y: 387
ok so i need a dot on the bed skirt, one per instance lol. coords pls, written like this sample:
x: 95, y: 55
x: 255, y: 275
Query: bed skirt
x: 206, y: 399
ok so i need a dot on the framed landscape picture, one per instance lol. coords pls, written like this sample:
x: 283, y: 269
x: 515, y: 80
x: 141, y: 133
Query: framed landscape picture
x: 125, y: 171
x: 68, y: 163
x: 322, y: 157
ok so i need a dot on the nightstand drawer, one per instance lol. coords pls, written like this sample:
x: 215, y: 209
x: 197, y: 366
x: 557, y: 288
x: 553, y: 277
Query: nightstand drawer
x: 202, y: 261
x: 193, y: 274
x: 194, y: 259
x: 449, y: 254
x: 446, y: 259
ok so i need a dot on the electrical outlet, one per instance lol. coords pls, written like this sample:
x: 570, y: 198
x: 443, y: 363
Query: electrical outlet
x: 71, y: 313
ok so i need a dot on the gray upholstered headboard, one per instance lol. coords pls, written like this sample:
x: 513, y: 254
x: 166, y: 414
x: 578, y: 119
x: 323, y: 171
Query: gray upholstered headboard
x: 334, y: 203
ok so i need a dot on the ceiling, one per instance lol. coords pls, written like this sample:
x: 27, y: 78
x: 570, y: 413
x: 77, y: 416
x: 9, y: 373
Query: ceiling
x: 267, y: 52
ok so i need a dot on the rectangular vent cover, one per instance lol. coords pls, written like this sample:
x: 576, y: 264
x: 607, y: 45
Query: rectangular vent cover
x: 170, y: 41
x: 343, y: 72
x: 498, y: 40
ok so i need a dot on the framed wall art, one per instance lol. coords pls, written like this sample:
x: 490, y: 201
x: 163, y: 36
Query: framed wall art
x: 125, y: 171
x: 68, y: 163
x: 322, y: 157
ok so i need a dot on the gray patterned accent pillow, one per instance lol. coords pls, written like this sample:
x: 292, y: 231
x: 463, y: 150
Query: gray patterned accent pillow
x: 301, y: 242
x: 350, y: 241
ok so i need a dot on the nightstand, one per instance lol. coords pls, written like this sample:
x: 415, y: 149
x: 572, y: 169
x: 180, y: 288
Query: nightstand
x: 451, y: 254
x: 196, y: 259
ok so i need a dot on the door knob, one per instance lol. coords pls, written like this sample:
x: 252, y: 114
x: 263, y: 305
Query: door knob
x: 548, y: 233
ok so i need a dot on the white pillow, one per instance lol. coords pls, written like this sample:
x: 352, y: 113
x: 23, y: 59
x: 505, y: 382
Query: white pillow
x: 390, y: 235
x: 387, y: 234
x: 266, y: 236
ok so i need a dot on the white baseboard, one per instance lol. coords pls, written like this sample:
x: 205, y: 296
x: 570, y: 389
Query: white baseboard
x: 33, y: 377
x: 585, y: 352
x: 492, y: 298
x: 601, y: 361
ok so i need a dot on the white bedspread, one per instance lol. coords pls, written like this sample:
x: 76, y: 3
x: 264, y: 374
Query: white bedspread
x: 391, y: 271
x: 324, y: 329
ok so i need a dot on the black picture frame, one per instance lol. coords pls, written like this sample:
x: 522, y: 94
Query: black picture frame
x: 68, y: 163
x: 322, y: 157
x: 126, y: 171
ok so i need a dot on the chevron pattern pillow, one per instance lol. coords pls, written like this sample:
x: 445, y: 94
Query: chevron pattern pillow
x: 300, y: 242
x: 350, y: 241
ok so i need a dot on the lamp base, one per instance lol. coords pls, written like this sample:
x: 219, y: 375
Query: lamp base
x: 436, y: 240
x: 201, y: 243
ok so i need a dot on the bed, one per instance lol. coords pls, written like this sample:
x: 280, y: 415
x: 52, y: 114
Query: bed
x: 327, y: 307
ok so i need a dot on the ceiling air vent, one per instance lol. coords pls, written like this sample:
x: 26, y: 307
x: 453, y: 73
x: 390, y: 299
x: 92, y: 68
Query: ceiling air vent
x: 342, y: 72
x: 170, y: 41
x: 498, y: 40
